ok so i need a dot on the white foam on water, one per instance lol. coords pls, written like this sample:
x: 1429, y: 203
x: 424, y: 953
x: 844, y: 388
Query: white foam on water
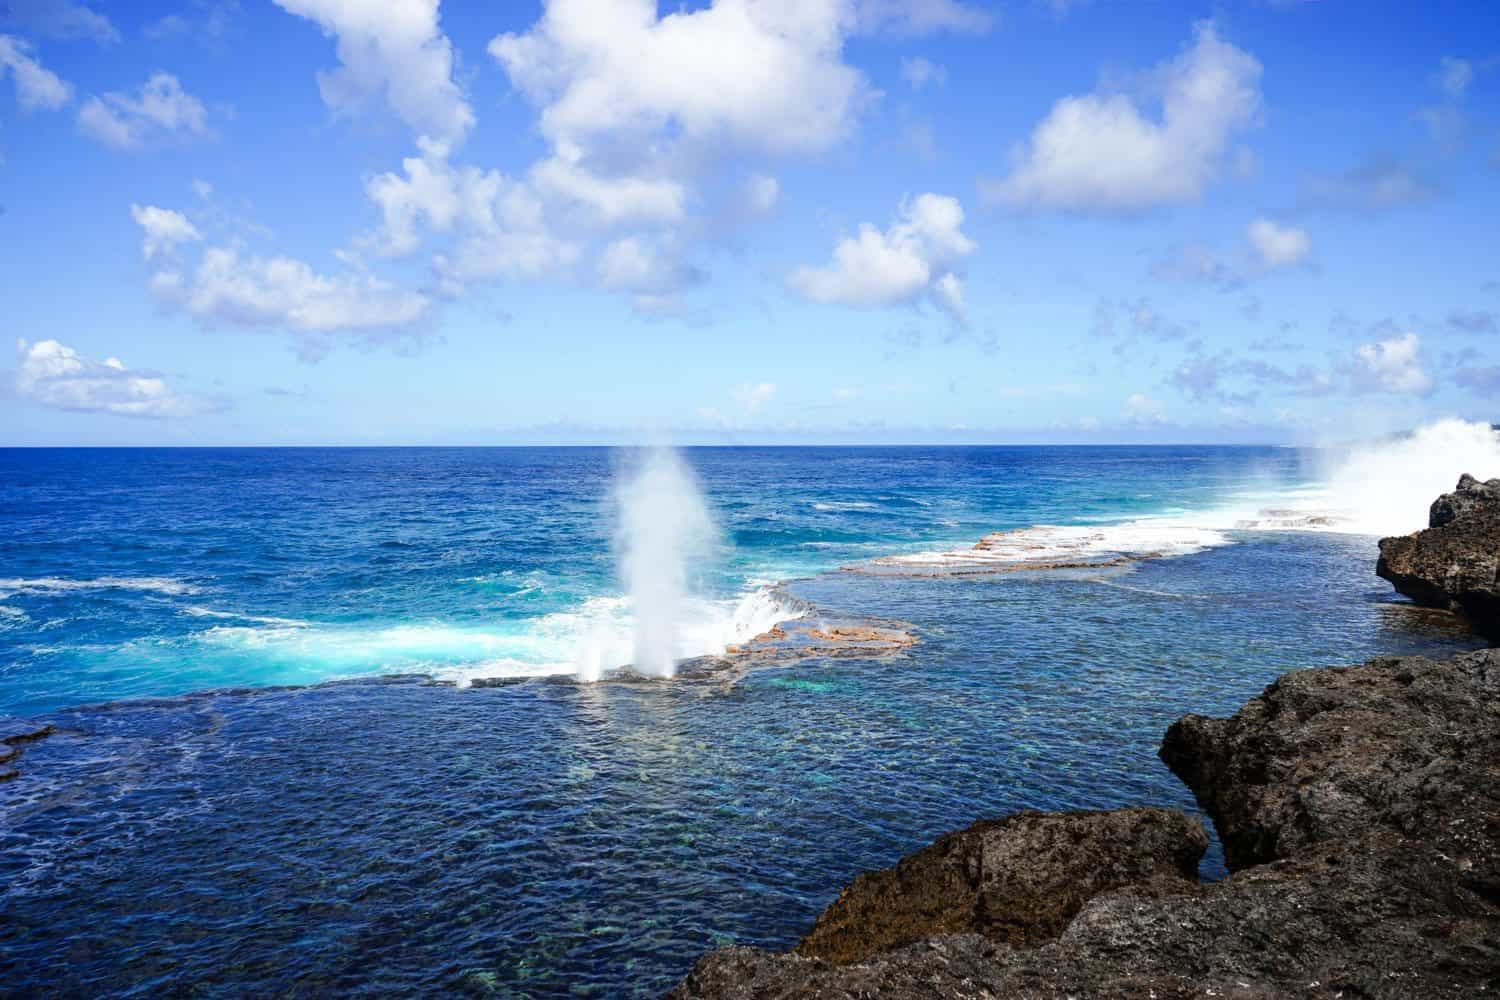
x: 1050, y: 545
x: 597, y: 637
x: 193, y: 611
x: 58, y: 585
x: 1376, y: 488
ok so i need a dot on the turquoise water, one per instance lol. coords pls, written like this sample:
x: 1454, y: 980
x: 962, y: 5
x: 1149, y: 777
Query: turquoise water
x: 549, y: 838
x: 156, y: 572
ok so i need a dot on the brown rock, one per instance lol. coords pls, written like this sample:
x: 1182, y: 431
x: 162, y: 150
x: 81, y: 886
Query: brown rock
x: 1017, y: 880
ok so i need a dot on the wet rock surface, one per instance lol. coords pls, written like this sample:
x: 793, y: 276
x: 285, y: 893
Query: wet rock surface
x: 1360, y: 811
x: 1455, y: 562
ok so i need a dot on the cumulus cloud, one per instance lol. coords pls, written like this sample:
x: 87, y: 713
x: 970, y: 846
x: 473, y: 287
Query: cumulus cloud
x: 642, y: 111
x: 61, y: 19
x: 162, y: 107
x: 229, y: 286
x: 1393, y: 366
x: 1102, y: 152
x: 162, y: 230
x: 55, y: 375
x: 501, y: 221
x: 391, y: 50
x: 246, y: 290
x: 37, y: 88
x: 1277, y: 245
x: 910, y: 261
x: 761, y: 76
x: 631, y: 264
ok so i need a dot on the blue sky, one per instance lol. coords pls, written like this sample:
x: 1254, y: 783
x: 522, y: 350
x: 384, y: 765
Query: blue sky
x: 383, y: 222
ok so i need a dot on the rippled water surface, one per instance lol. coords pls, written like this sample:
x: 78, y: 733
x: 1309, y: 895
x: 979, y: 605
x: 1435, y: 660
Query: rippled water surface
x: 396, y: 836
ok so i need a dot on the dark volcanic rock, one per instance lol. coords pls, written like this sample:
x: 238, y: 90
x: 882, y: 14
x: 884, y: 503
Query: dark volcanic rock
x: 1017, y: 880
x: 1360, y: 808
x: 1399, y: 748
x: 1454, y: 563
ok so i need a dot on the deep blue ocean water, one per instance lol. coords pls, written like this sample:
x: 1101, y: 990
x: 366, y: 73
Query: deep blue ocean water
x: 195, y: 826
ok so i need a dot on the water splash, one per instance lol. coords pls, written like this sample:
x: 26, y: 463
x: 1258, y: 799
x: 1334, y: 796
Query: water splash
x: 1386, y: 487
x: 664, y: 529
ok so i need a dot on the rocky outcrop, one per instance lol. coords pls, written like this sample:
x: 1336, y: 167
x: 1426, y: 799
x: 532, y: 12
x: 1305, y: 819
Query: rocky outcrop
x: 1398, y: 749
x: 1455, y: 562
x: 1018, y: 880
x: 1360, y: 810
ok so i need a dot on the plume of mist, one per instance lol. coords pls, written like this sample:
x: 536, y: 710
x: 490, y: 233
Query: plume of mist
x: 663, y: 532
x: 1385, y: 487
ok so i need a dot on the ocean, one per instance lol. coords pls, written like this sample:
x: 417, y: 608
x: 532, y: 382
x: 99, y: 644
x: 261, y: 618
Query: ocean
x: 273, y: 771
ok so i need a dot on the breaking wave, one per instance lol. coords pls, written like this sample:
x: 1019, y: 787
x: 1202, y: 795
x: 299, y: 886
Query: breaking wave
x: 1374, y: 488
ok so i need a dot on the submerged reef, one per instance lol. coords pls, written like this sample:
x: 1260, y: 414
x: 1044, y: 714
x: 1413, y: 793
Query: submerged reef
x: 1358, y: 808
x: 1455, y: 562
x: 14, y: 735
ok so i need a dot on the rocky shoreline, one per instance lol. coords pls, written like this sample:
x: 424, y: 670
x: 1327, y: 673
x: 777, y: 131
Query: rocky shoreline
x: 1359, y: 809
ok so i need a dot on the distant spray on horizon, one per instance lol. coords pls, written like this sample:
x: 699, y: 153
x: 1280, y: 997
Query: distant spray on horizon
x: 663, y: 529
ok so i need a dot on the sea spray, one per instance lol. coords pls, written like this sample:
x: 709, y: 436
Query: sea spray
x: 664, y: 531
x: 1385, y: 487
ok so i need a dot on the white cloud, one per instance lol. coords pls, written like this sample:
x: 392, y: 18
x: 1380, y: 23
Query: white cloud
x: 1101, y: 152
x: 437, y: 193
x: 246, y: 290
x: 630, y: 264
x: 764, y: 76
x: 846, y: 393
x: 391, y: 49
x: 1393, y: 365
x: 1455, y: 75
x: 911, y: 260
x: 37, y: 88
x: 919, y: 72
x: 55, y: 375
x: 62, y: 19
x: 611, y: 200
x: 1277, y: 245
x: 502, y: 220
x: 162, y: 107
x: 284, y: 292
x: 640, y: 110
x: 1142, y: 409
x: 163, y: 229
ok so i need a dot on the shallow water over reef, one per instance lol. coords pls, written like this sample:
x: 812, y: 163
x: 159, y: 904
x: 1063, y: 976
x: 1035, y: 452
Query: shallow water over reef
x: 550, y: 839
